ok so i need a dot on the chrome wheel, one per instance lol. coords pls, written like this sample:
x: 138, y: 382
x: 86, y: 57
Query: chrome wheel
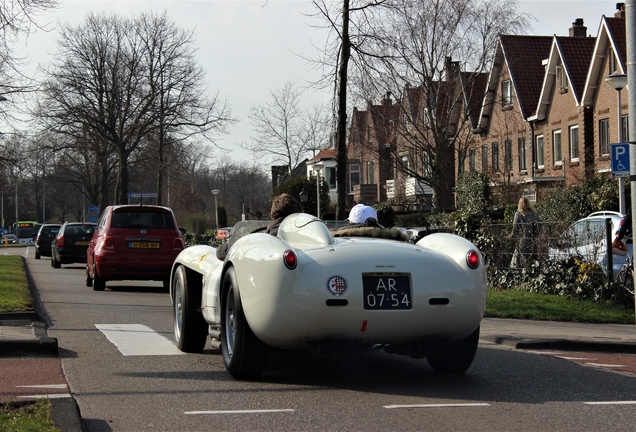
x: 229, y: 323
x: 178, y: 309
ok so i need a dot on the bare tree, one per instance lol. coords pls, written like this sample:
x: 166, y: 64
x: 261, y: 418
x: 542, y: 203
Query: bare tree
x: 283, y: 130
x: 180, y: 102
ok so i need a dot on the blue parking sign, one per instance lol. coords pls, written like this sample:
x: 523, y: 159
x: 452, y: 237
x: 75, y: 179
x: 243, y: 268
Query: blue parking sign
x: 620, y: 159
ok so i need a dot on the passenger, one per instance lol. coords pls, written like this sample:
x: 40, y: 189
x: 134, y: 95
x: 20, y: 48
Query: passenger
x: 282, y: 206
x: 363, y: 222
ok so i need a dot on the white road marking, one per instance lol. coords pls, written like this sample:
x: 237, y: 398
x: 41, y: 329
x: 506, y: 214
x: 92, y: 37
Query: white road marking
x: 49, y: 386
x: 138, y: 340
x: 241, y: 411
x: 611, y: 403
x: 47, y: 396
x: 606, y: 365
x: 456, y: 405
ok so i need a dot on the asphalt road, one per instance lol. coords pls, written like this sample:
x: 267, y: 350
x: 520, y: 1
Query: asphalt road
x: 119, y: 386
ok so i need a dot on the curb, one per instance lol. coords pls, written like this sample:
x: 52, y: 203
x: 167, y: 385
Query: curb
x: 562, y: 344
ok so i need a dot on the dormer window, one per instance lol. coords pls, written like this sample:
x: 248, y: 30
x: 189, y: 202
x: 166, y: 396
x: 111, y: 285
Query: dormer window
x: 562, y: 79
x: 612, y: 61
x: 506, y: 93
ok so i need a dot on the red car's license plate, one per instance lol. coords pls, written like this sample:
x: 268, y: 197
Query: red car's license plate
x: 144, y: 245
x: 387, y: 291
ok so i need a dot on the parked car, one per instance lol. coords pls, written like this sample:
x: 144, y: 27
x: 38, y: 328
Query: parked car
x: 43, y: 239
x: 9, y: 239
x: 133, y: 242
x: 305, y: 289
x: 71, y: 242
x: 587, y: 238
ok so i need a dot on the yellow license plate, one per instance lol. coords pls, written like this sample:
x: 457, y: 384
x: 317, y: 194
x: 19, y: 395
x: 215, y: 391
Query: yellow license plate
x: 144, y: 245
x: 81, y: 243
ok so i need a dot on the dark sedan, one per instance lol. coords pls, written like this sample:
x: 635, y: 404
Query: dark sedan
x: 71, y: 243
x: 43, y: 240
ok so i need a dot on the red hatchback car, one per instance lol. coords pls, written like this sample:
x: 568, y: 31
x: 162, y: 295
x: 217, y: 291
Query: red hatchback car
x: 133, y: 242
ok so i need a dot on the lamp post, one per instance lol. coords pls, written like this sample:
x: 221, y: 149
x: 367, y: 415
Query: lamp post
x: 215, y: 192
x: 2, y: 220
x: 619, y: 82
x: 317, y: 168
x: 303, y: 197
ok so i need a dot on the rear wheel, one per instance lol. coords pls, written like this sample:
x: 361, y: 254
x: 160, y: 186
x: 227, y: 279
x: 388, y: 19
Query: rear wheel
x: 99, y: 284
x: 55, y: 263
x: 457, y: 357
x: 89, y: 280
x: 37, y: 254
x: 190, y: 329
x: 245, y: 356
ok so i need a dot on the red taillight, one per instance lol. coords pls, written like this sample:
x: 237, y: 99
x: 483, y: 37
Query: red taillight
x: 290, y: 259
x: 472, y: 259
x: 37, y: 239
x: 109, y: 243
x: 60, y: 241
x: 178, y: 244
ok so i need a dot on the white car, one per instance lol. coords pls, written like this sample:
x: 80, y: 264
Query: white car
x: 305, y: 289
x: 587, y: 238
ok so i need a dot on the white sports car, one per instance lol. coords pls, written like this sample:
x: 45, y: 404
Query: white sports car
x: 306, y: 289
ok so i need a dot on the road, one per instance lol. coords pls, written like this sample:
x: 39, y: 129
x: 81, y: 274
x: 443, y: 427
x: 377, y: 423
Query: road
x: 128, y: 377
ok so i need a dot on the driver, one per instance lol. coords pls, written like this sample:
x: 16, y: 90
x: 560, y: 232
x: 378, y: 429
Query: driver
x: 282, y: 206
x: 363, y: 222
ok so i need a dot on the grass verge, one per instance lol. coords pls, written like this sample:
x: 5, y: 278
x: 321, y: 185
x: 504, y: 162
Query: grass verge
x: 14, y: 288
x: 27, y: 417
x: 526, y: 305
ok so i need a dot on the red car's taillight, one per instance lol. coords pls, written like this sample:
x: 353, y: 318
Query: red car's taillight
x: 290, y: 259
x: 37, y: 239
x: 472, y: 259
x: 109, y: 243
x: 178, y: 244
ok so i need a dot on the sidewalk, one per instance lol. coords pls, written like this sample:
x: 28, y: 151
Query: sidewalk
x: 29, y: 357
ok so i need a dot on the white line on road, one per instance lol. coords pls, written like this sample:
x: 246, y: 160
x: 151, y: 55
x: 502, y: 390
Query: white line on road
x: 606, y: 365
x: 138, y: 340
x: 241, y: 411
x: 456, y: 405
x: 49, y: 386
x: 611, y: 403
x: 574, y: 358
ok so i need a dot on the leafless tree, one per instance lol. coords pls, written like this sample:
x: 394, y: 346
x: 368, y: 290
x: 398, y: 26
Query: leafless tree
x: 283, y: 130
x: 177, y: 83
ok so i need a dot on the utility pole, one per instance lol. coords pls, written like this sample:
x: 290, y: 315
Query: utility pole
x: 630, y: 33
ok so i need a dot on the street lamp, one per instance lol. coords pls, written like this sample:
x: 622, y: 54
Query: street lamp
x: 303, y: 197
x: 215, y: 192
x: 2, y: 220
x: 317, y: 168
x: 619, y: 82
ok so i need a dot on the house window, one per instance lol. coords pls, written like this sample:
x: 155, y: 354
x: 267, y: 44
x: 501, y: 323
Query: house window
x: 371, y: 172
x: 574, y: 143
x: 404, y: 161
x: 495, y: 156
x: 354, y: 176
x: 331, y: 177
x: 508, y: 155
x: 407, y: 123
x: 556, y: 147
x: 484, y: 158
x: 506, y: 93
x: 603, y: 137
x: 462, y: 156
x: 624, y: 128
x: 472, y: 160
x: 521, y: 144
x: 369, y: 134
x: 426, y: 118
x: 427, y: 169
x: 562, y: 79
x: 612, y: 61
x: 540, y: 161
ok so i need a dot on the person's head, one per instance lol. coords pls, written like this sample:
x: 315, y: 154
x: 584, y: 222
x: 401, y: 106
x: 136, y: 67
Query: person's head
x: 283, y: 205
x: 525, y: 206
x: 220, y: 233
x: 360, y: 213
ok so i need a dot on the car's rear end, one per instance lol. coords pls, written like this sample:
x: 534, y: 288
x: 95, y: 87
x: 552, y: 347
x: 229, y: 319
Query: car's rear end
x: 72, y: 242
x: 45, y: 236
x: 139, y: 243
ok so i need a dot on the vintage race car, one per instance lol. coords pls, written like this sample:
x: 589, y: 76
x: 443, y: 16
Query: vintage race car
x: 306, y: 289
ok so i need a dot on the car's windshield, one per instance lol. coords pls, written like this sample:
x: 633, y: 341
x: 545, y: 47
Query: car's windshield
x: 243, y: 228
x: 142, y: 219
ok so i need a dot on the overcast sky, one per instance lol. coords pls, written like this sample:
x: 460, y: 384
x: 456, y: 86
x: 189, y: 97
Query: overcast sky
x: 251, y: 47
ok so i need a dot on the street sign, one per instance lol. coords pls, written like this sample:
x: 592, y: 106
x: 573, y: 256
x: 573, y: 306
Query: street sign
x: 93, y: 213
x: 142, y: 195
x: 620, y: 159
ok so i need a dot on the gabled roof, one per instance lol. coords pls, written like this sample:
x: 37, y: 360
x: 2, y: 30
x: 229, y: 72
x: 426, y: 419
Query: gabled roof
x: 328, y: 153
x: 523, y: 56
x: 575, y: 55
x: 474, y: 85
x: 611, y: 31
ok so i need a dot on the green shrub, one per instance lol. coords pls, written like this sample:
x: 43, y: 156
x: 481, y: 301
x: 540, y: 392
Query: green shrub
x: 386, y: 215
x: 416, y: 219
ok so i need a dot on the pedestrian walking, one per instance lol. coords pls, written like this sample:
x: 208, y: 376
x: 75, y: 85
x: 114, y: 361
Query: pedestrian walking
x: 525, y: 228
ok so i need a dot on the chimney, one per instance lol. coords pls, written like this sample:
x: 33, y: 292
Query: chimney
x: 387, y: 101
x: 452, y: 68
x: 620, y: 10
x: 578, y: 29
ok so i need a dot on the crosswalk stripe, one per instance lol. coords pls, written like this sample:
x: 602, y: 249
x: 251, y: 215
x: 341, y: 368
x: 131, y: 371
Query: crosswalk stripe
x: 138, y: 340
